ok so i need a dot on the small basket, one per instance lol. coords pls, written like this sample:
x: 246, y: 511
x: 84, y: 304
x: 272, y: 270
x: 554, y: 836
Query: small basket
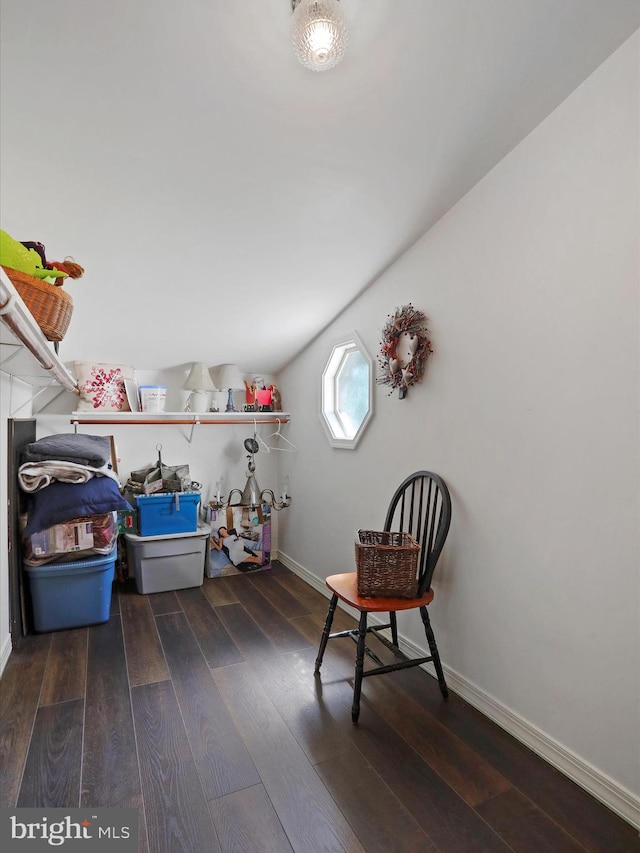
x: 386, y: 564
x: 50, y: 306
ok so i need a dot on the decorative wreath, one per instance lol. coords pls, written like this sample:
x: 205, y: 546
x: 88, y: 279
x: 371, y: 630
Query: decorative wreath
x: 401, y: 370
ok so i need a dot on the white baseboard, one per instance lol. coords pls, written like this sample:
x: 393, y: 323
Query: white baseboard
x: 5, y: 651
x: 620, y: 800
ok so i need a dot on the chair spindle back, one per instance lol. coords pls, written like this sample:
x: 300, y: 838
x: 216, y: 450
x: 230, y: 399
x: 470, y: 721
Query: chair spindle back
x: 421, y: 506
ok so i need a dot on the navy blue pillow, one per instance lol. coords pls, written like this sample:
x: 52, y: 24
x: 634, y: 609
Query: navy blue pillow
x: 60, y: 502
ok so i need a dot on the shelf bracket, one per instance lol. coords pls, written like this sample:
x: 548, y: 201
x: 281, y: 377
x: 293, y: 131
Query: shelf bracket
x: 17, y: 349
x: 34, y: 396
x: 196, y: 420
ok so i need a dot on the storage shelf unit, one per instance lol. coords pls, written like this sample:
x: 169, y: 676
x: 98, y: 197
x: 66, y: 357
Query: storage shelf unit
x: 24, y: 351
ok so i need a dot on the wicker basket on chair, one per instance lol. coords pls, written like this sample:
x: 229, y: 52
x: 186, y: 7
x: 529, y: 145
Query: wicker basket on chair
x: 386, y: 564
x: 50, y: 306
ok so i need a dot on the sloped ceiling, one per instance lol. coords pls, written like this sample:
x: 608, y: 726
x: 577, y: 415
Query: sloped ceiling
x: 225, y: 202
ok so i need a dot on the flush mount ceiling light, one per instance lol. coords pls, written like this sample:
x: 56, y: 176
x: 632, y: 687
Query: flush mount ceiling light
x: 318, y: 33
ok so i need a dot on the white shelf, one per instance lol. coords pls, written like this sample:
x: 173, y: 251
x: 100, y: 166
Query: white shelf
x: 24, y: 351
x: 180, y: 418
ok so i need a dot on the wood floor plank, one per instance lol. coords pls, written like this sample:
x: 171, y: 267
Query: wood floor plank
x: 587, y: 820
x: 217, y: 646
x: 464, y: 770
x: 218, y: 591
x: 282, y: 633
x: 378, y: 818
x: 52, y: 770
x: 308, y: 813
x: 145, y: 660
x: 474, y: 779
x: 176, y: 811
x: 278, y: 568
x: 114, y: 608
x: 110, y: 772
x: 450, y: 822
x: 297, y: 695
x: 444, y: 816
x: 278, y: 595
x: 221, y: 757
x: 524, y: 827
x: 66, y: 672
x: 21, y: 685
x: 246, y: 821
x: 244, y: 631
x: 163, y: 602
x: 312, y: 600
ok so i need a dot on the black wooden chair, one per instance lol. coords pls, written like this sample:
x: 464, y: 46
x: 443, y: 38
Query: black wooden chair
x: 421, y: 507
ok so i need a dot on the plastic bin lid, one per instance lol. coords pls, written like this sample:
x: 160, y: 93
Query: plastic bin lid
x: 189, y: 496
x: 204, y: 529
x: 72, y: 567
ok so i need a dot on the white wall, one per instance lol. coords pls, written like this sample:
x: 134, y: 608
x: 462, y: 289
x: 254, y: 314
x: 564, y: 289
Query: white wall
x: 529, y: 409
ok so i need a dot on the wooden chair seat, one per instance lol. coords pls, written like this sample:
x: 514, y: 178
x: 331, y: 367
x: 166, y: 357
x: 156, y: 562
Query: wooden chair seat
x: 345, y: 587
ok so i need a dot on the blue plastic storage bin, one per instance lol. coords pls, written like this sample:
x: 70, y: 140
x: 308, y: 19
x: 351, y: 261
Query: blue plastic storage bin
x: 71, y: 595
x: 161, y: 514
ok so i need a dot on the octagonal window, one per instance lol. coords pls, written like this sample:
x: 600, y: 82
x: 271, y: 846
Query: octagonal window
x: 347, y: 397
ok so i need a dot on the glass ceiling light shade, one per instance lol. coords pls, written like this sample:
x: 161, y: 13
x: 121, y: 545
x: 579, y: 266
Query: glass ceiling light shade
x: 318, y: 33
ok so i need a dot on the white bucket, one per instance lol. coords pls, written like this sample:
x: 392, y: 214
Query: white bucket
x: 152, y: 398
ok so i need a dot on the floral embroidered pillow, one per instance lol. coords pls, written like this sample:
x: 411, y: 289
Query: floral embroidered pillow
x: 102, y: 386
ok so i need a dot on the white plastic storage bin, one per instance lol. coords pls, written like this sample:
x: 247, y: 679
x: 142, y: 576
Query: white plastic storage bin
x: 163, y: 563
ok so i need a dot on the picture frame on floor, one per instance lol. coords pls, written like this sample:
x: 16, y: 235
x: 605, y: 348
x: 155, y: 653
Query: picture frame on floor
x: 240, y: 540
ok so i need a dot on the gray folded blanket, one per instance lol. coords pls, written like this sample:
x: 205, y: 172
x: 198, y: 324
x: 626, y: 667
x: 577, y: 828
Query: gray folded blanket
x: 34, y: 476
x: 94, y: 450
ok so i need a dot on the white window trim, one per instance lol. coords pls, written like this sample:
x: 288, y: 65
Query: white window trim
x: 330, y: 419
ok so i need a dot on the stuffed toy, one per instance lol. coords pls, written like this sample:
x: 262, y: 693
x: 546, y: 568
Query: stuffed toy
x: 29, y: 259
x: 68, y: 267
x: 276, y: 399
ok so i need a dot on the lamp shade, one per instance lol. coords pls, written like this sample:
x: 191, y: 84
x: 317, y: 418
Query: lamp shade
x: 229, y: 376
x: 318, y: 33
x: 199, y: 378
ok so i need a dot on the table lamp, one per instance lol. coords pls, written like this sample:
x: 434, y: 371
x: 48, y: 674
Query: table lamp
x: 200, y: 384
x: 230, y: 379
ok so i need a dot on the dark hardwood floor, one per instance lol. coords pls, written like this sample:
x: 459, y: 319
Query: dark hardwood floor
x: 200, y: 708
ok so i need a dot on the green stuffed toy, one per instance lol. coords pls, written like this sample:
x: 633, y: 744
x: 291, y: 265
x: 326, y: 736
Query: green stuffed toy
x: 18, y: 257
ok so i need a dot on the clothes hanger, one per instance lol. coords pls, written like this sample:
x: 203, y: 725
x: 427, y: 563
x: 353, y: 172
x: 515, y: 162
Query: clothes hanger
x: 260, y: 441
x: 277, y: 434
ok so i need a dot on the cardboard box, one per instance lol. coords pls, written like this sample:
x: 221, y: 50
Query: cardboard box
x: 164, y: 514
x: 71, y: 594
x: 127, y: 521
x: 92, y: 533
x: 163, y: 563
